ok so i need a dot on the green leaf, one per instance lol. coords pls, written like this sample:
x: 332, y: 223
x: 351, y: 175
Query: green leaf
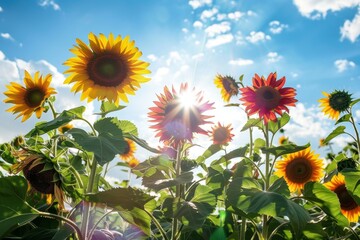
x: 281, y: 122
x: 158, y: 181
x: 208, y: 153
x: 10, y: 223
x: 64, y: 118
x: 280, y: 186
x: 314, y: 232
x: 109, y: 126
x: 352, y: 183
x: 354, y: 102
x: 128, y: 127
x: 326, y: 200
x: 339, y: 130
x: 141, y: 143
x: 345, y: 118
x: 252, y: 122
x: 108, y: 107
x: 237, y: 153
x: 232, y: 105
x: 284, y: 149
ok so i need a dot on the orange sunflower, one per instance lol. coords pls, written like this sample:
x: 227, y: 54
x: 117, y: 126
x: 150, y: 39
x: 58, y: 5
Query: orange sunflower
x: 221, y: 134
x: 178, y: 115
x: 31, y: 98
x: 349, y: 207
x: 267, y: 97
x: 65, y: 128
x: 109, y: 68
x: 227, y: 85
x: 129, y: 151
x: 299, y: 168
x: 335, y: 103
x: 133, y: 162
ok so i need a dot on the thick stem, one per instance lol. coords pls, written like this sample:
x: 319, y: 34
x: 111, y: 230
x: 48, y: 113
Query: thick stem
x: 178, y: 190
x: 267, y: 179
x: 356, y: 134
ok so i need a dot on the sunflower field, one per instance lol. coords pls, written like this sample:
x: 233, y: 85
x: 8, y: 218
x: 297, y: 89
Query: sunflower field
x: 53, y: 180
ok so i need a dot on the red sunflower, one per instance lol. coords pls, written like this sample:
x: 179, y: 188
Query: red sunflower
x: 178, y: 115
x: 268, y: 97
x: 221, y: 134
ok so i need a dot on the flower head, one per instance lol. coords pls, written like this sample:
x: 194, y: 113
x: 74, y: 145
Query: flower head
x: 178, y: 115
x: 129, y: 151
x: 267, y: 97
x: 283, y: 140
x: 31, y: 97
x: 109, y: 68
x: 349, y: 207
x: 133, y: 162
x: 65, y: 128
x: 221, y: 134
x: 227, y: 85
x: 299, y: 168
x: 335, y: 103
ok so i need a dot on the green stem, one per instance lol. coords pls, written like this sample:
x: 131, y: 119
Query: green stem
x: 52, y: 109
x: 158, y: 225
x: 76, y: 174
x: 267, y: 178
x: 98, y: 222
x: 356, y: 133
x: 178, y: 190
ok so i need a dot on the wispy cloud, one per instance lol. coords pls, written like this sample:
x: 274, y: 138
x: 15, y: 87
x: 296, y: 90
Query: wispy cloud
x: 50, y: 3
x: 208, y: 14
x: 273, y: 57
x: 276, y: 27
x: 351, y: 29
x: 343, y: 64
x: 235, y: 16
x: 198, y: 24
x: 217, y: 29
x: 199, y: 3
x: 255, y: 37
x: 219, y: 40
x: 7, y: 36
x: 241, y: 62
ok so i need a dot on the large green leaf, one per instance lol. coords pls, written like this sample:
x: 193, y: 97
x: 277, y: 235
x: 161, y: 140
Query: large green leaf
x: 339, y: 130
x: 352, y: 182
x: 208, y: 153
x: 158, y: 181
x: 10, y: 223
x: 64, y: 118
x: 284, y: 149
x: 237, y: 153
x: 108, y: 107
x: 281, y: 122
x: 128, y: 127
x: 252, y: 122
x: 345, y: 118
x: 326, y: 200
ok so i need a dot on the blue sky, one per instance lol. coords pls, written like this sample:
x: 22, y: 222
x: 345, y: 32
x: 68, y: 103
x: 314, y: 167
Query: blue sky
x: 314, y: 43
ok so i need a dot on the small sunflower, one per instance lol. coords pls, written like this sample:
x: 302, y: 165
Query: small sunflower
x: 31, y: 97
x: 41, y: 175
x: 283, y: 140
x: 65, y: 128
x: 178, y: 115
x: 349, y: 207
x: 109, y: 68
x: 227, y: 85
x: 133, y: 162
x: 267, y: 97
x: 335, y: 103
x: 221, y: 134
x: 129, y: 151
x: 299, y: 168
x: 322, y: 142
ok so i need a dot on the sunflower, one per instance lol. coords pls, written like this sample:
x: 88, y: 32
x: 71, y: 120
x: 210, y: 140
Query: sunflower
x: 227, y: 85
x: 133, y: 162
x: 129, y: 151
x: 349, y: 207
x: 178, y: 115
x: 322, y: 142
x: 299, y: 168
x: 41, y: 175
x: 65, y: 128
x: 31, y: 98
x: 221, y: 134
x: 109, y: 68
x: 283, y: 140
x: 335, y: 103
x: 267, y: 97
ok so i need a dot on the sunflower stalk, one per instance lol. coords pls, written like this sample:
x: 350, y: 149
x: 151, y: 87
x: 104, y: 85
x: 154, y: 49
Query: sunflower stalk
x: 352, y: 121
x: 178, y: 192
x: 267, y: 179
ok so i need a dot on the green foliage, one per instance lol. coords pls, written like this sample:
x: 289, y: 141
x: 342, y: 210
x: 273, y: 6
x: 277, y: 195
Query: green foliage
x: 208, y: 153
x: 339, y: 130
x: 284, y: 149
x: 352, y: 182
x: 275, y: 126
x: 108, y: 107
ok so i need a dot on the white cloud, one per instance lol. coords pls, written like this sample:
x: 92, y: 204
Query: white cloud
x: 250, y: 13
x: 174, y: 57
x: 7, y: 36
x: 199, y: 3
x: 160, y: 74
x: 51, y: 3
x: 235, y: 15
x: 221, y: 16
x: 184, y: 30
x: 208, y: 13
x: 294, y: 74
x: 276, y: 27
x: 314, y: 9
x: 343, y: 64
x: 351, y: 29
x: 1, y: 9
x: 255, y: 37
x: 219, y: 40
x: 152, y: 57
x: 273, y: 57
x: 2, y: 55
x: 198, y: 24
x: 216, y: 29
x: 241, y: 62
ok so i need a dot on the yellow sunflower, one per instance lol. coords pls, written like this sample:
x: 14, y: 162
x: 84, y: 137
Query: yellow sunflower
x: 283, y: 140
x: 109, y: 68
x: 65, y: 128
x: 335, y: 103
x: 133, y: 162
x: 349, y: 207
x: 129, y: 151
x: 299, y: 168
x: 227, y: 85
x: 31, y: 98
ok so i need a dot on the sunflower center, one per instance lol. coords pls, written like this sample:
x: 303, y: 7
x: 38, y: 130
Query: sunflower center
x: 346, y: 201
x: 190, y: 117
x: 228, y: 84
x: 41, y: 180
x: 340, y: 100
x: 34, y: 97
x: 299, y: 170
x: 108, y: 70
x: 267, y: 97
x: 221, y: 135
x: 126, y: 148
